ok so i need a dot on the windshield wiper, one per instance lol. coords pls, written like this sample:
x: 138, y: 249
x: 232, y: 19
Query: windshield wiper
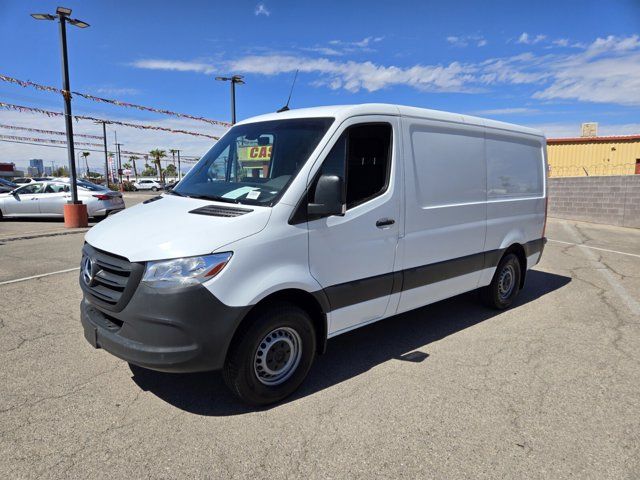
x: 216, y: 198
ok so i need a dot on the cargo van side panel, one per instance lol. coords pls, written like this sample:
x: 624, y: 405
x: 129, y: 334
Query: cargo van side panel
x: 445, y: 219
x: 516, y: 193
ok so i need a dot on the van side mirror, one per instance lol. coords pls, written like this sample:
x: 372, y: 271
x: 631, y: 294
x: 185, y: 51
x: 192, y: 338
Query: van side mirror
x: 15, y: 194
x: 328, y: 198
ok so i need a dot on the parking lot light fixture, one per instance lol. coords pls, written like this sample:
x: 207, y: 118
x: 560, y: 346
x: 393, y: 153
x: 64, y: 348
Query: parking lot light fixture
x: 43, y: 16
x: 77, y: 212
x: 239, y: 79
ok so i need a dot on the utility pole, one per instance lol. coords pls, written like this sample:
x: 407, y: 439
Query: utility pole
x: 119, y: 165
x: 106, y: 155
x: 179, y: 172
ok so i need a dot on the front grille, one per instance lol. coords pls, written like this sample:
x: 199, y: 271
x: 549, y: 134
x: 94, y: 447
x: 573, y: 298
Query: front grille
x: 109, y: 279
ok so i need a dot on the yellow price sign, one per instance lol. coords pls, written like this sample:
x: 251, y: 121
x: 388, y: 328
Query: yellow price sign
x: 256, y: 153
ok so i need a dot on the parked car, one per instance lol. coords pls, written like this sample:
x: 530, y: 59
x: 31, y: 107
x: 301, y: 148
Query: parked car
x: 47, y: 199
x: 7, y: 186
x: 146, y: 184
x: 320, y: 221
x: 22, y: 180
x: 171, y: 185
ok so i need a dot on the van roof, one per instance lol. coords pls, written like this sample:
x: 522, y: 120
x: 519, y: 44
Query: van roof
x: 341, y: 112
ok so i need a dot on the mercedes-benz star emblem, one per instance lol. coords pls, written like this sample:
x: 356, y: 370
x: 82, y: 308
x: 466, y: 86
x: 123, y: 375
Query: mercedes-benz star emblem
x: 87, y: 270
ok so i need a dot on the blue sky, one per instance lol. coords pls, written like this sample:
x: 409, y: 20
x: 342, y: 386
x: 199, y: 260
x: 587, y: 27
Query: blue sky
x: 547, y: 64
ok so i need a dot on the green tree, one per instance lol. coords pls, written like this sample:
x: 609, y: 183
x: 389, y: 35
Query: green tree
x: 148, y: 171
x: 158, y: 155
x: 61, y: 172
x: 133, y: 159
x: 171, y: 170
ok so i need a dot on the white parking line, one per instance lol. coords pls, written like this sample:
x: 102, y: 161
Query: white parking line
x: 632, y: 303
x: 6, y: 282
x: 594, y: 248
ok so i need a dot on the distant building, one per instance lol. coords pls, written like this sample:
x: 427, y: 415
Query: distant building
x: 38, y: 164
x: 48, y: 171
x: 33, y: 171
x: 593, y: 155
x: 8, y: 170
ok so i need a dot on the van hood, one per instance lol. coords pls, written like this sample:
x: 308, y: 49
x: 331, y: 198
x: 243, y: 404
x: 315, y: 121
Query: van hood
x: 164, y: 229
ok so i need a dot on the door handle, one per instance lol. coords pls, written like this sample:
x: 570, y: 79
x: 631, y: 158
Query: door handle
x: 385, y: 222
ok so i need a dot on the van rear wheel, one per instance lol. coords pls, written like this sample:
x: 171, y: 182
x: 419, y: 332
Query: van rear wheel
x: 271, y: 358
x: 505, y: 284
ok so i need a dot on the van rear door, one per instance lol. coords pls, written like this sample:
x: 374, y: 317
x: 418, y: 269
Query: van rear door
x: 352, y: 256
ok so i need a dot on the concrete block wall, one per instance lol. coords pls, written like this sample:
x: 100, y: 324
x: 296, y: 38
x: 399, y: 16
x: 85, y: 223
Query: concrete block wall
x: 614, y: 200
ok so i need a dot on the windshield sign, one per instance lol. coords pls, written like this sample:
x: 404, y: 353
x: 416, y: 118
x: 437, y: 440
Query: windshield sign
x: 254, y: 163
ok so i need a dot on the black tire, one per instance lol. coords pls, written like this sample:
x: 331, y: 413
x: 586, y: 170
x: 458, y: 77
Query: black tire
x: 135, y: 189
x: 251, y: 347
x: 1, y: 216
x: 505, y: 285
x: 154, y: 189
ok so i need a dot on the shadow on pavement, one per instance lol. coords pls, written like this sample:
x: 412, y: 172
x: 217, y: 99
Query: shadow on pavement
x: 350, y: 354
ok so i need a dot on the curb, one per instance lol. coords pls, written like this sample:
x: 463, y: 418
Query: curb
x: 42, y: 235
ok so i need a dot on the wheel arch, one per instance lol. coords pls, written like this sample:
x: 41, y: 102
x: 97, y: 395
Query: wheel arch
x: 518, y: 250
x: 315, y: 304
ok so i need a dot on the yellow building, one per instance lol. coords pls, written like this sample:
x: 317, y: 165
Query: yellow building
x: 582, y: 156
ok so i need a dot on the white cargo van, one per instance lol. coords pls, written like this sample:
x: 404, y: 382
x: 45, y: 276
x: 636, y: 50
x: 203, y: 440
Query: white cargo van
x: 302, y: 225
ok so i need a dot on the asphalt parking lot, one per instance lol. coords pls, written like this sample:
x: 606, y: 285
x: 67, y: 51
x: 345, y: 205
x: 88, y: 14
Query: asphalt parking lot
x: 547, y: 389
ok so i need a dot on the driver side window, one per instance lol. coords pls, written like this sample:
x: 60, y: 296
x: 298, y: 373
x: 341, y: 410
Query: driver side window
x: 362, y: 158
x: 30, y: 189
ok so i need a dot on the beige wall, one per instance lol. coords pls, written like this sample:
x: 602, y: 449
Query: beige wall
x: 597, y: 158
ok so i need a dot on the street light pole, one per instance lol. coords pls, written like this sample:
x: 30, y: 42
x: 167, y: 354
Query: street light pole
x: 233, y: 79
x: 179, y: 172
x: 75, y: 215
x: 66, y: 93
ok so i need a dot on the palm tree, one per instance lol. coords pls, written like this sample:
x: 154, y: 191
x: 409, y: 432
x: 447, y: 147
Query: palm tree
x: 85, y: 155
x: 158, y: 155
x: 173, y: 155
x: 133, y: 159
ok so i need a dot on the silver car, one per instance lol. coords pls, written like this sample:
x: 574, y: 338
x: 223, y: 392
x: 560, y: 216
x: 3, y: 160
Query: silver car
x: 47, y: 199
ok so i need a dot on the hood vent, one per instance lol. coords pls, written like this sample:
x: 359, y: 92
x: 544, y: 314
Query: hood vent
x: 218, y: 211
x: 152, y: 199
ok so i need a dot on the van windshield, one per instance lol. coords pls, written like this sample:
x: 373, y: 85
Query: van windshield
x: 254, y: 163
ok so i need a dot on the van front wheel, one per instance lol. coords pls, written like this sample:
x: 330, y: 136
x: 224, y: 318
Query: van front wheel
x: 505, y: 284
x: 270, y: 359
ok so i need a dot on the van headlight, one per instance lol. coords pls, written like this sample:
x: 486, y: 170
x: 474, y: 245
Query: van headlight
x: 183, y: 272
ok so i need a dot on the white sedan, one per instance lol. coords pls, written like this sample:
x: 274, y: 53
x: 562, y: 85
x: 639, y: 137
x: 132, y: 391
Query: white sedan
x: 147, y: 184
x: 47, y: 199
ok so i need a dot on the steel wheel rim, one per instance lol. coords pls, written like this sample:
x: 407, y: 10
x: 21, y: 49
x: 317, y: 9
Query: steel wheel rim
x: 277, y: 356
x: 506, y: 282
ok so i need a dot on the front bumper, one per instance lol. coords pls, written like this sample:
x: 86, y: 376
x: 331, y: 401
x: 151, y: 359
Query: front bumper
x: 177, y: 330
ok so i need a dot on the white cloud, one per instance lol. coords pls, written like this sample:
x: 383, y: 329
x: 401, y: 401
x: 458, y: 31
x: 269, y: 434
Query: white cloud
x: 261, y: 9
x: 527, y: 40
x: 466, y: 40
x: 354, y: 76
x: 607, y: 71
x: 176, y: 65
x: 117, y: 91
x: 506, y: 111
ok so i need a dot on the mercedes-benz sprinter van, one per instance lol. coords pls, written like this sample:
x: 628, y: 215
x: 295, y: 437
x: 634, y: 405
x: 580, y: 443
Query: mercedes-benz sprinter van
x: 301, y: 225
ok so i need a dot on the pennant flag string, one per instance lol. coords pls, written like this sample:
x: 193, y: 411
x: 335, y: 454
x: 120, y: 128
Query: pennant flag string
x: 46, y: 88
x: 49, y: 113
x: 48, y: 132
x: 46, y: 142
